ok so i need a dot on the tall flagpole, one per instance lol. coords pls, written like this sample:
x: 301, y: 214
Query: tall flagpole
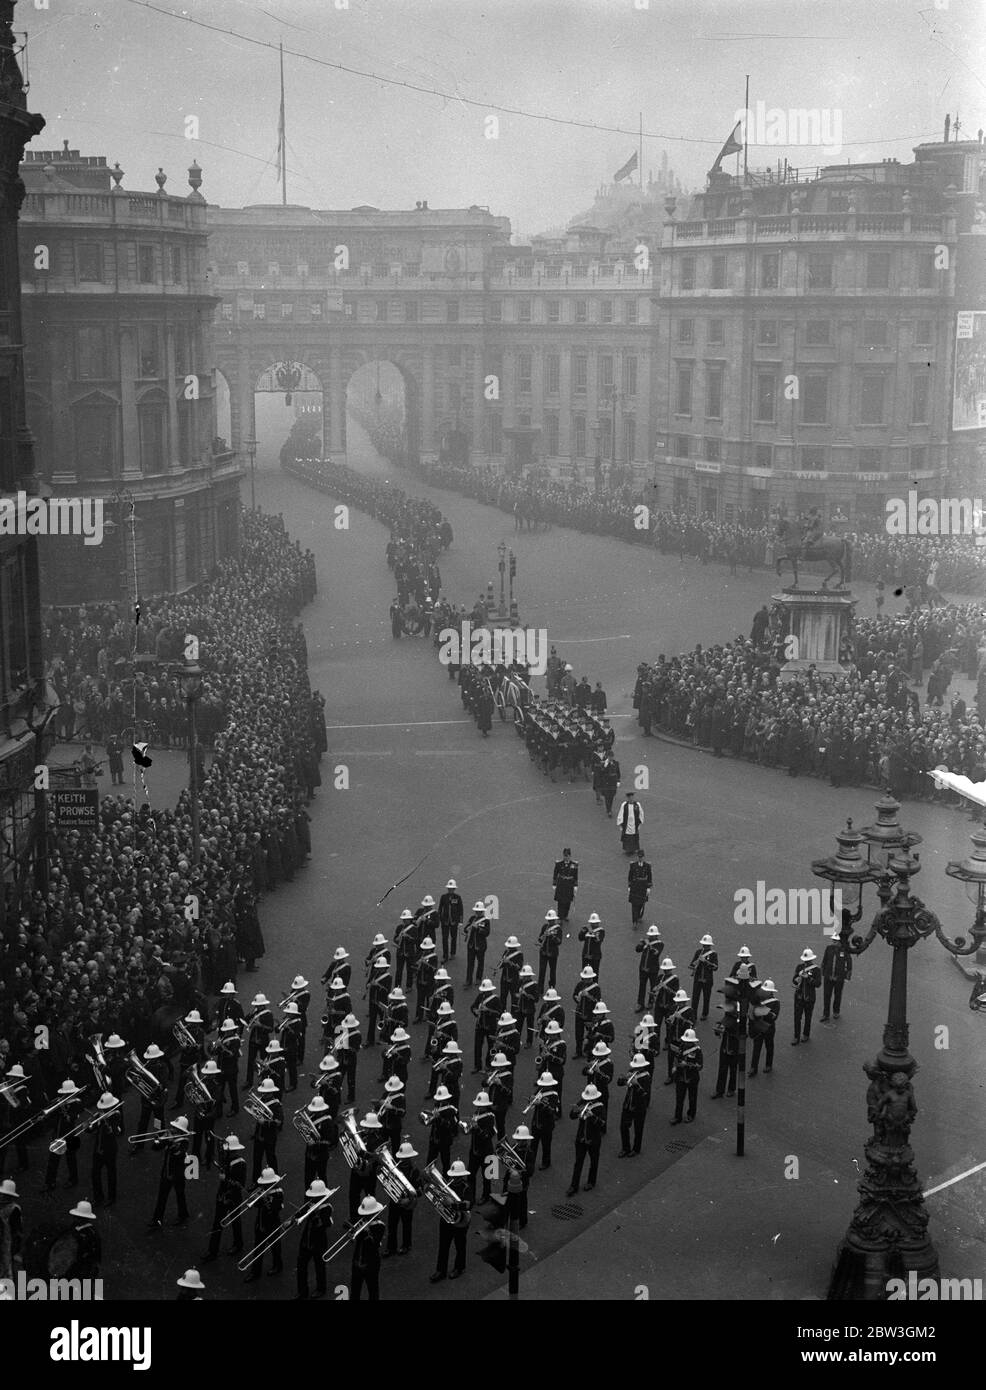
x: 746, y: 124
x: 281, y: 138
x: 640, y: 158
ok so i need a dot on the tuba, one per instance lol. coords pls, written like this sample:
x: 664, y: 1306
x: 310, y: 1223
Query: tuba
x: 510, y: 1158
x: 442, y: 1196
x: 258, y: 1109
x: 183, y: 1035
x: 352, y: 1143
x: 396, y: 1184
x: 141, y: 1078
x: 196, y: 1090
x: 306, y: 1126
x: 97, y: 1060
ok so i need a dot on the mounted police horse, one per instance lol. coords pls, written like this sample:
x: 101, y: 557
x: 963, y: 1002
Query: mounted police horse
x: 834, y: 550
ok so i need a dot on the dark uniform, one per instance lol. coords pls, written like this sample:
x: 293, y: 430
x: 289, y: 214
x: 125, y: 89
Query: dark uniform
x: 315, y: 1226
x: 704, y: 964
x: 836, y: 971
x: 105, y: 1144
x: 267, y: 1218
x: 806, y: 980
x: 172, y: 1174
x: 476, y: 934
x: 451, y: 910
x: 229, y: 1195
x: 565, y: 878
x: 650, y: 951
x: 634, y: 1112
x: 640, y: 880
x: 763, y: 1028
x: 588, y: 1140
x: 545, y: 1113
x: 450, y: 1235
x: 687, y: 1071
x: 549, y: 943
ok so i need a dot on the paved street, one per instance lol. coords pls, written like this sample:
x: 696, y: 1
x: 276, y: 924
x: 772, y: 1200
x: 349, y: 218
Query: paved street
x: 423, y: 786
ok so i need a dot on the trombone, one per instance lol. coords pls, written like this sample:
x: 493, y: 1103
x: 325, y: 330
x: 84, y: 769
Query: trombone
x: 59, y: 1146
x: 147, y: 1137
x: 9, y: 1089
x: 535, y: 1099
x: 352, y: 1234
x: 281, y: 1231
x: 97, y: 1060
x: 251, y: 1201
x: 32, y: 1120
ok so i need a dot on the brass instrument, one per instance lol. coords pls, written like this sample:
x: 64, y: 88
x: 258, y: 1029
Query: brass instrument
x: 451, y: 1208
x: 291, y: 997
x: 281, y: 1231
x: 32, y: 1120
x: 535, y: 1099
x: 183, y: 1035
x: 8, y: 1092
x: 397, y: 1185
x: 96, y: 1058
x: 141, y: 1078
x: 341, y: 1042
x: 510, y: 1158
x: 352, y: 1143
x: 149, y: 1136
x: 250, y: 1201
x: 258, y: 1109
x: 306, y: 1127
x: 347, y: 1237
x: 196, y: 1091
x: 59, y: 1146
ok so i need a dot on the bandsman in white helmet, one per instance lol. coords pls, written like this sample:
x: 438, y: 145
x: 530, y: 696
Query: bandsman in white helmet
x: 590, y: 1121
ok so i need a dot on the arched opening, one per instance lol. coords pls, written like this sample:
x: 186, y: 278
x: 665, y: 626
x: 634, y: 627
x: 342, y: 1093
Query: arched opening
x: 287, y: 413
x: 381, y: 417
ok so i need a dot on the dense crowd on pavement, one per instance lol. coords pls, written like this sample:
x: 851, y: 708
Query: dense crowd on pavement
x: 867, y: 726
x: 747, y: 542
x: 113, y: 942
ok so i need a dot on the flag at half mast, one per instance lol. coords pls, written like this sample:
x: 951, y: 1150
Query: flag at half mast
x: 732, y: 146
x: 628, y: 168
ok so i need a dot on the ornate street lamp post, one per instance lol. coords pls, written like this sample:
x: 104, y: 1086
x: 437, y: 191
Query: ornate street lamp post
x: 888, y: 1234
x: 501, y: 551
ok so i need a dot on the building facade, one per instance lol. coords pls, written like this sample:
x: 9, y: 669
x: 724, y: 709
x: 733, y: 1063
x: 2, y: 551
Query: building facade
x: 22, y: 700
x: 807, y: 329
x: 120, y: 382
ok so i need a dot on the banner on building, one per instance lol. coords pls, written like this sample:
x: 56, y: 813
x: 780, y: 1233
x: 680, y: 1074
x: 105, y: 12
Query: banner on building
x: 969, y: 390
x: 76, y: 808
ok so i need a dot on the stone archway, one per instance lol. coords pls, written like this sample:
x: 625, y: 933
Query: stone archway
x: 383, y: 394
x: 287, y: 410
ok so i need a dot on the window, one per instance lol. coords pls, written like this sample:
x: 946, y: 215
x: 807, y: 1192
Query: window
x: 926, y: 270
x: 770, y: 270
x: 713, y: 392
x: 495, y: 432
x: 183, y: 349
x: 878, y: 270
x: 95, y: 430
x: 604, y: 446
x: 630, y: 311
x: 260, y: 311
x: 717, y: 332
x: 496, y: 311
x: 766, y: 397
x: 581, y: 311
x: 875, y: 332
x: 924, y: 333
x: 812, y: 457
x: 712, y: 450
x: 226, y: 310
x: 315, y: 309
x: 815, y: 399
x: 273, y: 268
x: 870, y: 460
x: 90, y: 260
x: 818, y: 333
x: 151, y: 424
x: 523, y: 373
x: 820, y: 275
x: 551, y: 434
x: 176, y: 264
x: 554, y: 310
x: 145, y: 265
x: 149, y: 350
x: 287, y: 310
x: 918, y: 457
x: 552, y: 373
x: 629, y: 438
x: 454, y: 357
x: 578, y: 436
x: 871, y: 399
x: 523, y: 311
x: 763, y: 455
x: 767, y: 333
x: 686, y: 331
x: 682, y: 446
x: 580, y: 373
x: 410, y: 311
x: 630, y: 375
x: 683, y: 395
x: 605, y: 371
x: 605, y: 311
x: 838, y: 202
x: 687, y: 279
x: 920, y: 399
x: 717, y: 279
x: 92, y: 358
x: 451, y: 311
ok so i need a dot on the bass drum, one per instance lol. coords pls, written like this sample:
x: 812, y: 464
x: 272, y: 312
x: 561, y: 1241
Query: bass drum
x: 51, y: 1252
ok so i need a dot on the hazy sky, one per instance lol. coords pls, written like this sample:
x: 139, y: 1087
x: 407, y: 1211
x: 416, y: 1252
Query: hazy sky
x: 120, y: 78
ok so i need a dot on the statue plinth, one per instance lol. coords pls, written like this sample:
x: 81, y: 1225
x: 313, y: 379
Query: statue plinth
x: 819, y: 619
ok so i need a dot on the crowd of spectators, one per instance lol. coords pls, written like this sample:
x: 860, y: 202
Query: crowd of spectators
x: 132, y: 928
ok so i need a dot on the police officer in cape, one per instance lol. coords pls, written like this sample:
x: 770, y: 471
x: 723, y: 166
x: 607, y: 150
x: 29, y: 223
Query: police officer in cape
x: 565, y: 877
